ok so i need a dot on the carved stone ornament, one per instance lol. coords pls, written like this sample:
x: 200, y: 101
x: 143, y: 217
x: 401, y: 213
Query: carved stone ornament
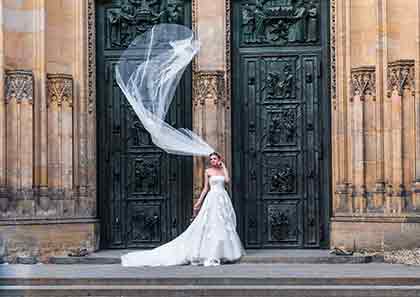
x: 288, y: 23
x: 363, y: 82
x: 333, y: 55
x: 91, y: 56
x: 19, y: 86
x: 60, y: 89
x: 401, y: 77
x: 209, y: 85
x: 137, y: 16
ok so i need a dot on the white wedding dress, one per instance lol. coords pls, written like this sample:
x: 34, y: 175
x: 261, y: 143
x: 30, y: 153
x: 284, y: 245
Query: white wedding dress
x: 210, y: 239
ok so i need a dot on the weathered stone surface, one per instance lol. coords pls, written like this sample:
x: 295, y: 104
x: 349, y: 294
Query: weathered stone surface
x: 42, y: 239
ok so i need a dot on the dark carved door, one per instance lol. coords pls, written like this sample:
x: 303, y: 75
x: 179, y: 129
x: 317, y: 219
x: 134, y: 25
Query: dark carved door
x: 281, y: 122
x: 144, y: 193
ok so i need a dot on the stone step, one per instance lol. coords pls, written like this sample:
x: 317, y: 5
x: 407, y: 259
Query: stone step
x: 210, y: 291
x: 244, y: 280
x: 252, y: 256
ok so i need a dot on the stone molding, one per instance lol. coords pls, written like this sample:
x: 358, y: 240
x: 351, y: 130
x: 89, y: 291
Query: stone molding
x: 91, y: 48
x: 401, y: 76
x: 333, y: 75
x: 19, y: 86
x: 59, y: 89
x: 209, y: 85
x: 363, y: 82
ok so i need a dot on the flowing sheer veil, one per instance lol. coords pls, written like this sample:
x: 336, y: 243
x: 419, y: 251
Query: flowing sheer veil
x: 148, y: 74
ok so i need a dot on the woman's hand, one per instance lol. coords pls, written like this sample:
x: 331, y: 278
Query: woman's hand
x: 197, y: 205
x: 196, y: 209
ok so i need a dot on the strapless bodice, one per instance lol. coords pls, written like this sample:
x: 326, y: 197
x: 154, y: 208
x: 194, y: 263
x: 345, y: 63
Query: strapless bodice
x: 217, y: 182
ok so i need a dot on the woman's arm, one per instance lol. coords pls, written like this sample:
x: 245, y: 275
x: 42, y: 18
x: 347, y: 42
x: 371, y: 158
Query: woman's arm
x: 226, y: 173
x: 205, y: 188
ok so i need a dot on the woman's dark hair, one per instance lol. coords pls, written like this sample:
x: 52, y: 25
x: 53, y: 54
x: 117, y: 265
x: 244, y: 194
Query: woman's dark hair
x: 215, y: 154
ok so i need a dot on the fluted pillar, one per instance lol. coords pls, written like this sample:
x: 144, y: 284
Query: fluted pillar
x: 211, y: 81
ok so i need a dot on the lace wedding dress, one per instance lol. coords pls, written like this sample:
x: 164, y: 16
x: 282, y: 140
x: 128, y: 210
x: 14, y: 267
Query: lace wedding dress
x: 209, y: 240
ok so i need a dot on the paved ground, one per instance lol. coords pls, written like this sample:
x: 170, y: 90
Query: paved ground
x: 308, y: 256
x: 257, y: 271
x: 259, y: 252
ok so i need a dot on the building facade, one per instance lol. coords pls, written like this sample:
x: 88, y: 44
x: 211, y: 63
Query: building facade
x: 313, y: 103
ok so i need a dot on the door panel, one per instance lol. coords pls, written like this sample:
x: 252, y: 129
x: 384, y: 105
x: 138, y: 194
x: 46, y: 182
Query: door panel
x: 144, y: 194
x: 281, y: 126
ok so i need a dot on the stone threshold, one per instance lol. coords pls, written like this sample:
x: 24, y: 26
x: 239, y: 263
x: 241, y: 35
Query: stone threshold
x: 302, y: 256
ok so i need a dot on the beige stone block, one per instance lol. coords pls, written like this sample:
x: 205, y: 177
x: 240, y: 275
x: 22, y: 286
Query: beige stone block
x: 370, y: 147
x: 18, y: 50
x: 402, y: 24
x: 211, y: 34
x: 49, y: 239
x: 363, y: 32
x: 370, y: 175
x: 379, y: 234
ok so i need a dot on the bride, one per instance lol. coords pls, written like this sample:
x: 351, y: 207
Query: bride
x: 211, y: 238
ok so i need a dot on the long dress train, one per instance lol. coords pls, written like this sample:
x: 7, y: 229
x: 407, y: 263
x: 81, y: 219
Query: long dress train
x: 210, y: 239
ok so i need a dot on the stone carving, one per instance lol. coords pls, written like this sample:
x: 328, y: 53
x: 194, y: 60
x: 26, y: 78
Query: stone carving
x: 19, y: 86
x: 60, y: 89
x: 288, y: 23
x: 363, y: 82
x: 91, y: 56
x: 333, y: 57
x: 137, y: 16
x: 401, y: 77
x: 208, y: 85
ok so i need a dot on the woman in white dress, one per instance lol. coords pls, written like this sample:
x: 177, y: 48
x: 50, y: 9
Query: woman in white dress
x: 211, y: 238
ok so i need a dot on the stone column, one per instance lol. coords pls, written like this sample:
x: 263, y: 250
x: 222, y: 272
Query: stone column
x: 19, y: 98
x: 60, y: 144
x: 416, y: 182
x: 40, y: 115
x: 211, y: 81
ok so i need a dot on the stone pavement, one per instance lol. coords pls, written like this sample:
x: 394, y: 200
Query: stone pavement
x: 301, y: 256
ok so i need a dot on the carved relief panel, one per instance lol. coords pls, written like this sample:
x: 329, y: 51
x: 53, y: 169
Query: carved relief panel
x: 143, y: 190
x: 133, y: 17
x: 278, y: 121
x: 281, y: 22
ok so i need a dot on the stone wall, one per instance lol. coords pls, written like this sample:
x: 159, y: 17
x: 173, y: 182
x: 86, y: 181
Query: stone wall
x: 375, y: 123
x: 47, y: 120
x: 47, y: 127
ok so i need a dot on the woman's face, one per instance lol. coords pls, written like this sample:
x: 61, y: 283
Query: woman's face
x: 214, y: 160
